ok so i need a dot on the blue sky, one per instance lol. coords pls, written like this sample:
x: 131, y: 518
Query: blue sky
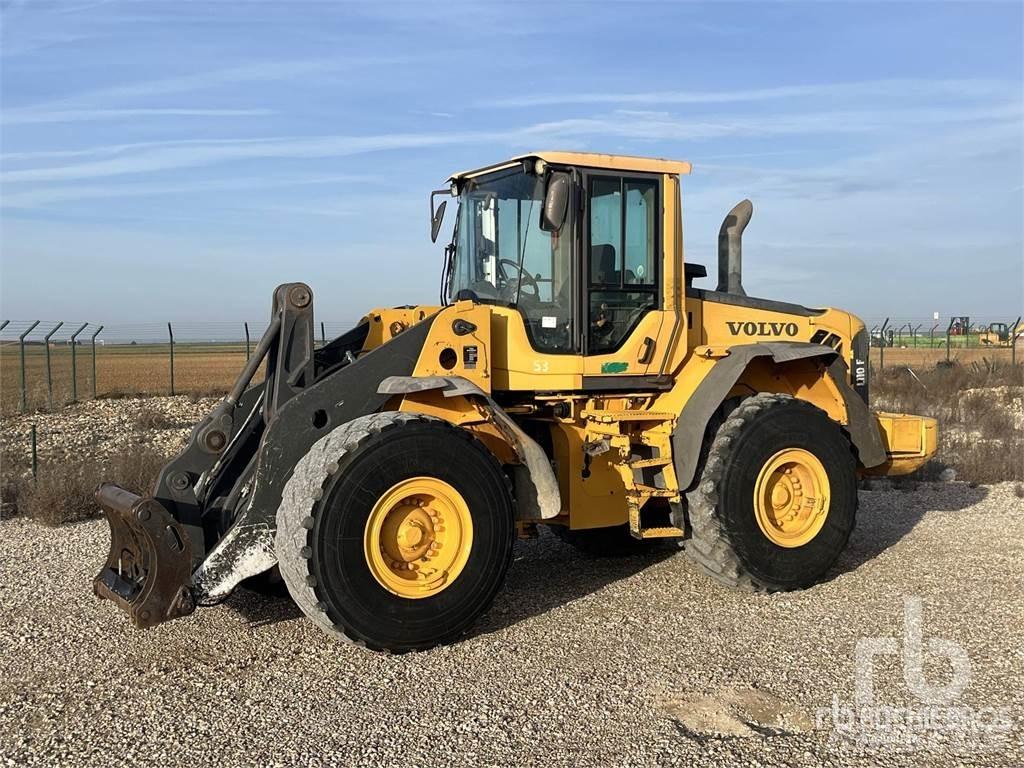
x: 171, y: 161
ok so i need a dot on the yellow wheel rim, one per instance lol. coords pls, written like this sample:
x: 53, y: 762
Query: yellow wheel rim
x: 791, y: 497
x: 418, y: 537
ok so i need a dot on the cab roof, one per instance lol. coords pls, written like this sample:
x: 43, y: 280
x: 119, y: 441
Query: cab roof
x: 588, y: 160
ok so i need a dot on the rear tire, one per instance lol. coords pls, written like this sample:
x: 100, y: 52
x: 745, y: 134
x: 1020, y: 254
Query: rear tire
x: 733, y: 539
x: 326, y: 524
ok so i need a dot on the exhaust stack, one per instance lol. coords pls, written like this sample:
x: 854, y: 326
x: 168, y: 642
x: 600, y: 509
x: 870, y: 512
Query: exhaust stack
x: 730, y: 248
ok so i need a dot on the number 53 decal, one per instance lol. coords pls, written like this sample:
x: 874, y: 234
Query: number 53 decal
x: 540, y: 366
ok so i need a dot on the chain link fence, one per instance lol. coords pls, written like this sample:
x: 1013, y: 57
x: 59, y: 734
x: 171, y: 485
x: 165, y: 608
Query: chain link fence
x: 45, y: 364
x: 959, y: 337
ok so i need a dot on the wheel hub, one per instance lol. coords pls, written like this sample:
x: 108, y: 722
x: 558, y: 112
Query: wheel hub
x: 418, y: 537
x: 791, y: 497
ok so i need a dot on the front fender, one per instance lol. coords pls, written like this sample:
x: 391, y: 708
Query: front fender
x: 536, y: 487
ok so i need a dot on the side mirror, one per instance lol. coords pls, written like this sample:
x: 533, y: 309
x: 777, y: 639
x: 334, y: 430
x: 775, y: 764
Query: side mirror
x: 435, y: 221
x: 436, y: 216
x: 556, y: 203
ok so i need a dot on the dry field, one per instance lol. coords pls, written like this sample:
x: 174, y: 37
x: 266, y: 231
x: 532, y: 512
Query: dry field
x: 207, y: 369
x: 921, y: 357
x: 199, y: 369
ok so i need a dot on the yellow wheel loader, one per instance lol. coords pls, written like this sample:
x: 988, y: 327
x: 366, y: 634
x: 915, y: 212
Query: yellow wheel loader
x: 573, y: 375
x: 1001, y: 335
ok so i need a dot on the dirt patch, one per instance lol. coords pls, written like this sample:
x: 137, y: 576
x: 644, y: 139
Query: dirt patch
x: 735, y: 712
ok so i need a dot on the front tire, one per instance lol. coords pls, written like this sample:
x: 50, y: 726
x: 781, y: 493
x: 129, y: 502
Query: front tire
x: 777, y: 496
x: 396, y: 532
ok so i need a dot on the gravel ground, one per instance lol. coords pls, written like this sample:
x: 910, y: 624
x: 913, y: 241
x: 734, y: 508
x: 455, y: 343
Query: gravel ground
x: 629, y: 661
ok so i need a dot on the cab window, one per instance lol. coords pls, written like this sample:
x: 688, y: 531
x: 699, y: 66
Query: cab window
x: 623, y: 229
x: 503, y: 256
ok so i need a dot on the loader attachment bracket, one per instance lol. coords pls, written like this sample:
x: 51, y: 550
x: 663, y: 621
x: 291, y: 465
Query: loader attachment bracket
x: 148, y: 567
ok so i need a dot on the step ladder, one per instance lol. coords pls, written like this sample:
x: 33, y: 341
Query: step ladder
x: 633, y: 434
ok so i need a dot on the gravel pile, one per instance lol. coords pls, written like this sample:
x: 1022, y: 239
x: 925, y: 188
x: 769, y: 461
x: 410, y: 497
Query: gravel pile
x: 629, y: 661
x: 100, y: 428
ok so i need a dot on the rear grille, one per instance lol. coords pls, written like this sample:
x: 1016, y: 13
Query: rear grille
x: 828, y: 339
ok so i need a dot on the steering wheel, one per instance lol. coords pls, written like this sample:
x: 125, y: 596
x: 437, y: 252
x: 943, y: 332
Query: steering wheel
x: 524, y: 280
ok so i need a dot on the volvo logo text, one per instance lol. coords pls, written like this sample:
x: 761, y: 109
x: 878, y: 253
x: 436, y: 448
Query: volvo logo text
x: 762, y: 329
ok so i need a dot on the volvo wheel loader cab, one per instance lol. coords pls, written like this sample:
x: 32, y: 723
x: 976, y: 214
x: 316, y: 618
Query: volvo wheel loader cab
x: 575, y: 373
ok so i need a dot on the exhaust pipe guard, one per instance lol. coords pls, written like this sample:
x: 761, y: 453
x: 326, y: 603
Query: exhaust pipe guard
x: 730, y: 248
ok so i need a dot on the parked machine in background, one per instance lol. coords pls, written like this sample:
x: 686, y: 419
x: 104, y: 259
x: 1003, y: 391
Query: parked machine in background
x: 1000, y: 334
x: 573, y: 375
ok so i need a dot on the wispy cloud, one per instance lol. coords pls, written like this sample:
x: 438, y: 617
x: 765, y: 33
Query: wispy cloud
x: 626, y: 126
x: 113, y: 103
x: 202, y: 154
x: 117, y: 149
x: 264, y: 71
x: 37, y: 198
x: 28, y: 116
x: 891, y: 87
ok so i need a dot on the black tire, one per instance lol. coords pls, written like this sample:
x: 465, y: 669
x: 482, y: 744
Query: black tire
x: 614, y: 541
x: 726, y: 541
x: 321, y: 530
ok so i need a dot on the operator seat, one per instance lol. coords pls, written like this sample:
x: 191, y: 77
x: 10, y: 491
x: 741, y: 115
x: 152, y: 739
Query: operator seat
x: 602, y: 265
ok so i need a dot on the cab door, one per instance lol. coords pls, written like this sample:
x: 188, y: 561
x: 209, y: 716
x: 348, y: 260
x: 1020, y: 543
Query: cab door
x: 622, y: 278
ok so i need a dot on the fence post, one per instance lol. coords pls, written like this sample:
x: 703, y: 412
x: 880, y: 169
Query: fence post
x: 35, y: 452
x: 1013, y: 340
x: 931, y: 337
x: 170, y: 334
x: 881, y: 349
x: 4, y: 324
x: 92, y: 341
x: 323, y: 335
x: 49, y: 373
x: 246, y: 340
x: 949, y: 330
x: 74, y: 363
x: 21, y: 350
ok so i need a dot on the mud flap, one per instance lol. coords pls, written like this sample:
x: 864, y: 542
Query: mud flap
x: 148, y: 569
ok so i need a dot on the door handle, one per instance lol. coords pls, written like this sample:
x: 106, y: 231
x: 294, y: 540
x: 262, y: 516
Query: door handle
x: 646, y: 351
